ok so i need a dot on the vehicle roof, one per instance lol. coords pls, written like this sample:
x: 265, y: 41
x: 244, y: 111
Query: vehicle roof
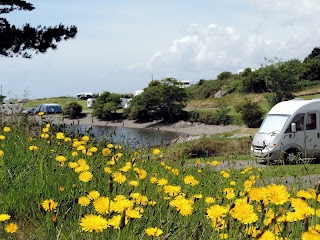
x: 50, y: 104
x: 291, y: 106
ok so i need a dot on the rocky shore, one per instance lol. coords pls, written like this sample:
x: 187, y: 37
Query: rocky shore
x: 183, y: 127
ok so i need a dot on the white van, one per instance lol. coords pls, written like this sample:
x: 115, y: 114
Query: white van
x: 290, y: 131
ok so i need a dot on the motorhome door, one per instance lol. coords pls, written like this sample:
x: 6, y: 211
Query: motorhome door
x: 312, y: 134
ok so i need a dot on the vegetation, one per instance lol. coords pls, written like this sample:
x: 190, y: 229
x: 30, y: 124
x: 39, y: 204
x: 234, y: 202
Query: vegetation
x: 82, y: 189
x: 73, y: 110
x: 161, y: 100
x: 251, y: 113
x: 23, y: 41
x: 106, y: 106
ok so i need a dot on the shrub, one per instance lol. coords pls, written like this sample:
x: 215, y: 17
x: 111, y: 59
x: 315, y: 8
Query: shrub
x: 73, y: 110
x: 218, y: 117
x: 251, y: 113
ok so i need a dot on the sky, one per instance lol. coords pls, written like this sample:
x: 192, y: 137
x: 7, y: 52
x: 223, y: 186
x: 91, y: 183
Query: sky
x: 122, y: 45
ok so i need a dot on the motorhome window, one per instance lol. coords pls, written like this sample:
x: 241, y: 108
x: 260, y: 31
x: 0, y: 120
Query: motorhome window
x: 311, y: 122
x: 273, y: 123
x: 299, y: 120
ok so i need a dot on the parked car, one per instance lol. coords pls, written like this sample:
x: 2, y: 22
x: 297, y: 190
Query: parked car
x: 28, y: 111
x: 48, y: 108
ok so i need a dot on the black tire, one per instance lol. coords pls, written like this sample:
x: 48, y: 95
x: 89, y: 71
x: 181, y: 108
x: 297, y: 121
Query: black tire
x: 292, y: 156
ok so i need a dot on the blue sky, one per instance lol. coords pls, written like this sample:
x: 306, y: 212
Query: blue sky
x: 121, y: 45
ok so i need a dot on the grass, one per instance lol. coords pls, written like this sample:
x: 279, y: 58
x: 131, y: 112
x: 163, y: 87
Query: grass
x: 55, y: 187
x: 63, y: 101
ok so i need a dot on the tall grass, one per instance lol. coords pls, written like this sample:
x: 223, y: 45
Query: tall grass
x: 47, y: 190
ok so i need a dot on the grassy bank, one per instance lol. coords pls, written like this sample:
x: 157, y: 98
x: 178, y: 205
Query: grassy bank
x: 56, y: 187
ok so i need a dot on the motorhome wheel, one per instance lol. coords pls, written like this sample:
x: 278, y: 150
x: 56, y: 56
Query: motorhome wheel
x: 292, y: 156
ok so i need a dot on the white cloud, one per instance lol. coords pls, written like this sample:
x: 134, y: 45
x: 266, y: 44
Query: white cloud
x: 223, y: 48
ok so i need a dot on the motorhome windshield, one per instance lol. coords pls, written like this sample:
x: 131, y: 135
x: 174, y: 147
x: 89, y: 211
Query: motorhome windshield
x: 273, y: 123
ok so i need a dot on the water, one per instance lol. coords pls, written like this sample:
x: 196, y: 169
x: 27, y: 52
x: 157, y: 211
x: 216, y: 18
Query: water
x: 130, y: 137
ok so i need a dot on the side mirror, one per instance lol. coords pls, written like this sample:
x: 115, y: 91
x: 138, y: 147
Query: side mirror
x: 293, y: 127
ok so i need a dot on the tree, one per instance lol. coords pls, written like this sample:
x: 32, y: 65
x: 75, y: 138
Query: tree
x: 106, y: 106
x: 251, y: 113
x: 280, y: 78
x: 224, y: 75
x: 23, y: 41
x: 254, y: 81
x: 161, y: 100
x: 311, y: 66
x: 73, y: 110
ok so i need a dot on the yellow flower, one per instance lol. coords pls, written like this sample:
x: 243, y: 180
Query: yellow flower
x: 153, y: 180
x: 33, y: 148
x: 45, y: 130
x: 225, y: 174
x: 162, y: 181
x: 106, y: 152
x: 110, y: 145
x: 232, y: 183
x: 93, y: 149
x: 11, y: 228
x: 172, y: 190
x: 84, y: 201
x: 210, y: 200
x: 156, y: 151
x: 94, y: 194
x: 90, y: 223
x: 6, y: 129
x: 1, y: 153
x: 277, y: 194
x: 40, y: 113
x: 60, y: 135
x: 118, y: 147
x: 243, y: 212
x: 61, y: 158
x: 67, y: 139
x: 72, y: 165
x: 107, y: 170
x: 49, y: 205
x: 74, y: 154
x: 310, y: 234
x: 134, y: 183
x: 229, y: 192
x: 44, y: 135
x: 190, y: 180
x: 119, y: 178
x: 85, y: 138
x: 76, y: 144
x: 4, y: 217
x: 133, y: 213
x: 85, y: 176
x: 216, y: 211
x: 153, y: 232
x: 142, y: 174
x: 102, y: 205
x: 2, y: 137
x: 215, y: 163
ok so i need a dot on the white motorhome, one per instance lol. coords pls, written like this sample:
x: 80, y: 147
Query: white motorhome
x: 290, y: 131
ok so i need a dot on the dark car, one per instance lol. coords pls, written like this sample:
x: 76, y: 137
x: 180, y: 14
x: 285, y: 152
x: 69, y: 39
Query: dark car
x: 28, y: 111
x: 48, y: 108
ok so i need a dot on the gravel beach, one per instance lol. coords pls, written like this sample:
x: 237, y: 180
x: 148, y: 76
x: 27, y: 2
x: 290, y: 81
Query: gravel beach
x: 179, y: 127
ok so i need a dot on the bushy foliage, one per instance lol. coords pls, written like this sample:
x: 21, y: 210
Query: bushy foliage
x: 224, y: 75
x: 218, y: 117
x: 251, y: 113
x: 106, y: 106
x: 254, y: 82
x: 73, y: 110
x: 161, y: 100
x: 23, y: 41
